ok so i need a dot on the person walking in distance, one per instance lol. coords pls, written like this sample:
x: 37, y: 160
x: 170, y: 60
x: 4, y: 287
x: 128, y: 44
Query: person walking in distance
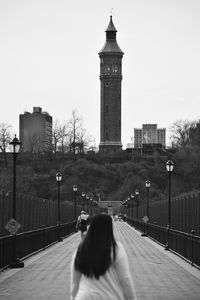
x: 99, y: 268
x: 82, y: 223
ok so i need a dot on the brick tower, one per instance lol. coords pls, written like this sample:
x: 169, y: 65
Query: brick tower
x: 110, y: 78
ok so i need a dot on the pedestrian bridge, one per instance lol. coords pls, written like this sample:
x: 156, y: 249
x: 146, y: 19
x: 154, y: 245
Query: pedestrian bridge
x: 157, y: 274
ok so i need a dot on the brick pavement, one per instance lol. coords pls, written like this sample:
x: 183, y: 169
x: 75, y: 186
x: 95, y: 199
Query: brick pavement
x: 157, y: 274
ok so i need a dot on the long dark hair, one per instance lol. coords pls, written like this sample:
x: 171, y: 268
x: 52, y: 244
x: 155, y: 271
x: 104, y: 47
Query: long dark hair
x: 97, y: 250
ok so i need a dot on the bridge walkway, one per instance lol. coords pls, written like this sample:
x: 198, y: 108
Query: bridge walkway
x: 157, y: 274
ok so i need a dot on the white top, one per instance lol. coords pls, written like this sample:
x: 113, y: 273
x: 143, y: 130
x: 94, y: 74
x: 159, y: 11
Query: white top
x: 83, y: 217
x: 115, y: 284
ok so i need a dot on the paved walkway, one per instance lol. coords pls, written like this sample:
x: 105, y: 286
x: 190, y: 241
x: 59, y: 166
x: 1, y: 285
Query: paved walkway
x: 157, y: 274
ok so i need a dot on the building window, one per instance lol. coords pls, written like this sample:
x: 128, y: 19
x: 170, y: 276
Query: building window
x: 107, y: 84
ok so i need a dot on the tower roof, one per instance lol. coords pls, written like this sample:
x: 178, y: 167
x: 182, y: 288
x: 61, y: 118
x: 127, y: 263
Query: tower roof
x: 111, y: 45
x: 111, y: 26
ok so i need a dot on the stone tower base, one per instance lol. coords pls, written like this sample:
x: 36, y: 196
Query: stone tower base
x: 110, y: 147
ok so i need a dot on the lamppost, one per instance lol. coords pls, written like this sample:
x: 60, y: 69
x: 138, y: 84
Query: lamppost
x: 95, y: 205
x: 125, y: 207
x: 83, y: 196
x: 129, y: 206
x: 146, y: 218
x: 169, y: 167
x: 14, y: 148
x: 132, y: 197
x: 91, y: 203
x: 137, y: 195
x: 148, y: 183
x: 75, y: 191
x: 58, y: 179
x: 87, y: 202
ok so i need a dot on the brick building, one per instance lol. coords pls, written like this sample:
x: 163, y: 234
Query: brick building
x: 110, y: 78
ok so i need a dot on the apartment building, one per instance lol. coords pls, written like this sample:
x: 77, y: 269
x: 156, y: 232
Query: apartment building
x: 149, y: 134
x: 35, y: 131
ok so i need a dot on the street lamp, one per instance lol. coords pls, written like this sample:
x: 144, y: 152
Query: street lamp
x: 75, y: 191
x: 148, y: 184
x: 129, y: 206
x: 91, y: 204
x: 169, y: 167
x: 58, y: 179
x: 83, y: 195
x: 14, y: 149
x: 132, y: 197
x: 87, y: 201
x: 137, y: 195
x: 125, y: 207
x: 146, y: 218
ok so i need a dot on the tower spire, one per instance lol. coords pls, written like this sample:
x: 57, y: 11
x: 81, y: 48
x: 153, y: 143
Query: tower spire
x: 111, y: 42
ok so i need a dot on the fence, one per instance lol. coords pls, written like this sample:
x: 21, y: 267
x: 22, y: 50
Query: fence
x: 33, y: 213
x: 184, y: 244
x: 185, y: 212
x: 31, y: 242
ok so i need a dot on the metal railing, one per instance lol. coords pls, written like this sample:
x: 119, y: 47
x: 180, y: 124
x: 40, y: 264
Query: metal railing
x: 28, y: 243
x: 184, y: 244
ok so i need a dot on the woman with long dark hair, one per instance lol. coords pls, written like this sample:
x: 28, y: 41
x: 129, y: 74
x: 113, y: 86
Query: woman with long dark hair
x: 100, y: 269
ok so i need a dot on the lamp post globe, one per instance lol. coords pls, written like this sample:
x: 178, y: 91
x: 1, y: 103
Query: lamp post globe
x: 169, y: 166
x: 148, y: 183
x: 75, y: 188
x: 15, y: 145
x: 58, y: 177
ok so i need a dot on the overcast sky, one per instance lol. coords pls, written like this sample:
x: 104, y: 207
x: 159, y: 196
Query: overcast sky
x: 49, y: 58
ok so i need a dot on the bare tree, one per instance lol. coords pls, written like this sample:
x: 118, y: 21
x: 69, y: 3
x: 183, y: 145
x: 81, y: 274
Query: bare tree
x: 57, y: 132
x: 60, y: 135
x: 181, y: 131
x: 5, y: 138
x: 35, y: 144
x: 63, y: 138
x: 75, y: 125
x: 84, y: 140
